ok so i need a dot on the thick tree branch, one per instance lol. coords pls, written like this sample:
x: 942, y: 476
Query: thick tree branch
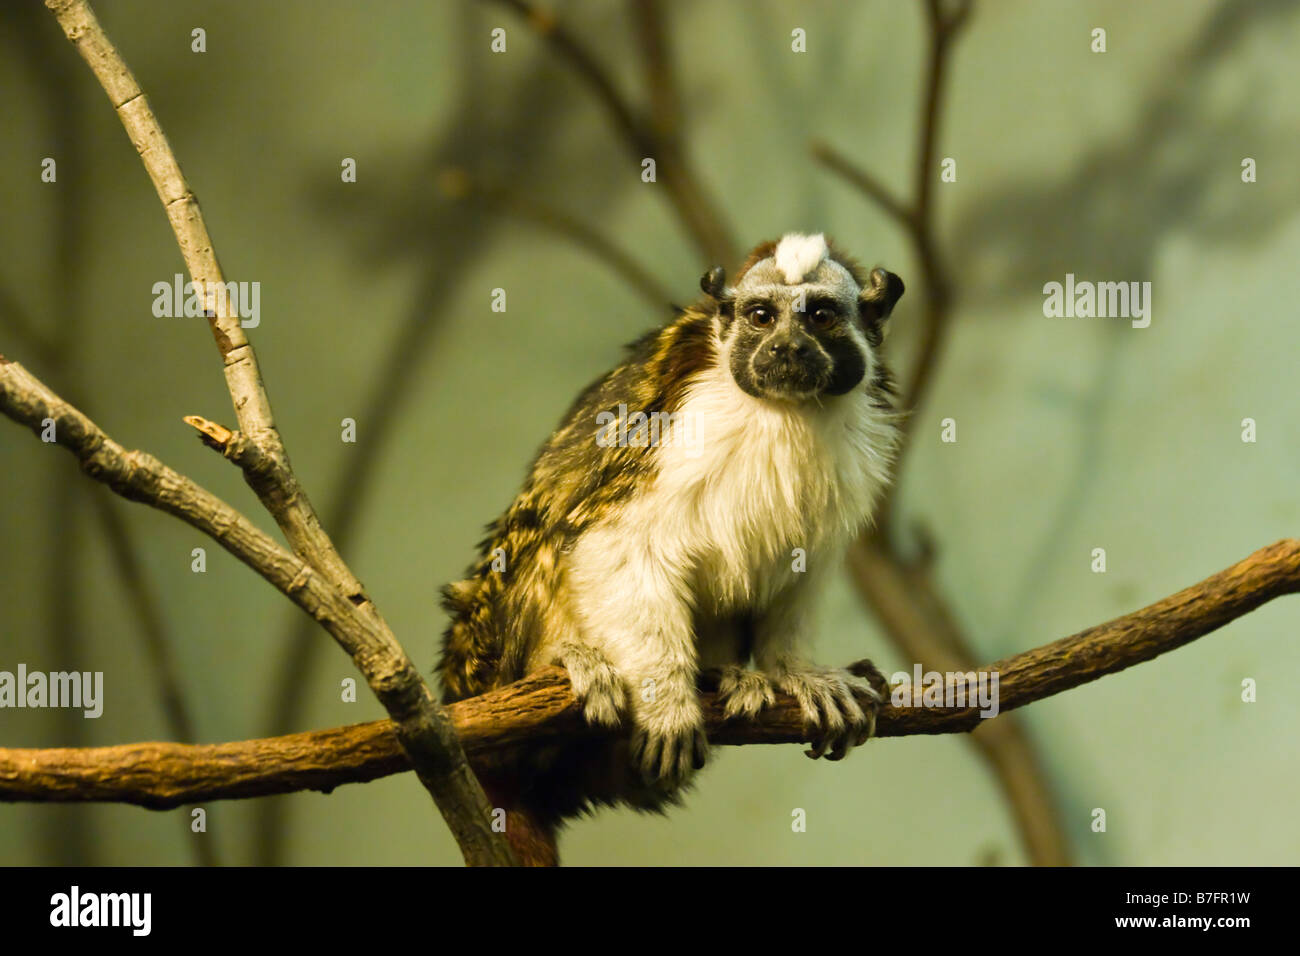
x: 542, y: 706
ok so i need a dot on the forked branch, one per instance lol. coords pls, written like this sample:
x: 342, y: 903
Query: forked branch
x: 423, y: 729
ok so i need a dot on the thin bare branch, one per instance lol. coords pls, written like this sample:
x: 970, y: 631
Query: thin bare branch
x: 126, y: 563
x: 590, y: 70
x: 153, y: 632
x: 275, y: 485
x: 423, y: 728
x: 698, y: 212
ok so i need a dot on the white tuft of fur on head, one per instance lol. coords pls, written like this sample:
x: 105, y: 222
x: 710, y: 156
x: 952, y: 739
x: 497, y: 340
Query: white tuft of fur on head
x: 797, y: 255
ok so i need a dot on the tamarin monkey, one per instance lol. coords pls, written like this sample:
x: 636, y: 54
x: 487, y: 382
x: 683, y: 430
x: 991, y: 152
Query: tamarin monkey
x: 681, y: 518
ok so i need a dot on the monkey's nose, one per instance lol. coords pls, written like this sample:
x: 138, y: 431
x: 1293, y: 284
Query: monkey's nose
x: 788, y: 349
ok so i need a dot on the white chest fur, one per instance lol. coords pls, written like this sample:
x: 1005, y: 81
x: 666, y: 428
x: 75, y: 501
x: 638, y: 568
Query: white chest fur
x: 743, y: 482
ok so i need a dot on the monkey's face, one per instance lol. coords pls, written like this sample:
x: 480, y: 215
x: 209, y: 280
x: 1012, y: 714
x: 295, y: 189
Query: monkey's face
x: 796, y: 342
x: 800, y: 341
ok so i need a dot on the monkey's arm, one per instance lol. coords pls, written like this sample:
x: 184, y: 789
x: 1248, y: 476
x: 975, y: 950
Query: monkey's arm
x: 633, y: 606
x: 782, y: 639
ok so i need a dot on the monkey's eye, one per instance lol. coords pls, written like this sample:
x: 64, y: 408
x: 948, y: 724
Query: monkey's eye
x: 824, y: 317
x: 761, y: 316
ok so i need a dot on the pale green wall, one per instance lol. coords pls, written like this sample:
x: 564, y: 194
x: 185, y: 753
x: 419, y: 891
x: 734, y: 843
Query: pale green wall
x: 1073, y: 434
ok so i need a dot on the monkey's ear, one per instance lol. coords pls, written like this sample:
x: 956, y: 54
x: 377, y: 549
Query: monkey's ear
x: 877, y: 300
x: 714, y: 283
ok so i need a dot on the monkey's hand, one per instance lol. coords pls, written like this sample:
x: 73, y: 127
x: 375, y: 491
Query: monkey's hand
x: 595, y: 683
x: 744, y: 692
x: 668, y: 742
x: 829, y: 699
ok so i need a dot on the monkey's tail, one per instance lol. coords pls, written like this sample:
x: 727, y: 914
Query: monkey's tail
x: 469, y: 666
x: 540, y: 787
x: 537, y: 787
x: 528, y: 831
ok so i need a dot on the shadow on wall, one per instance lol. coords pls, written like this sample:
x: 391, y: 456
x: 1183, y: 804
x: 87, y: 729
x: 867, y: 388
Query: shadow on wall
x: 1174, y: 170
x: 1165, y: 174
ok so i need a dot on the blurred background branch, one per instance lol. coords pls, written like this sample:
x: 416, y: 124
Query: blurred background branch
x: 901, y: 591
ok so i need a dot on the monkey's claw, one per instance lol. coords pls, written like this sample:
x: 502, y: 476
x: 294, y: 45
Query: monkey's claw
x: 668, y: 759
x: 831, y: 709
